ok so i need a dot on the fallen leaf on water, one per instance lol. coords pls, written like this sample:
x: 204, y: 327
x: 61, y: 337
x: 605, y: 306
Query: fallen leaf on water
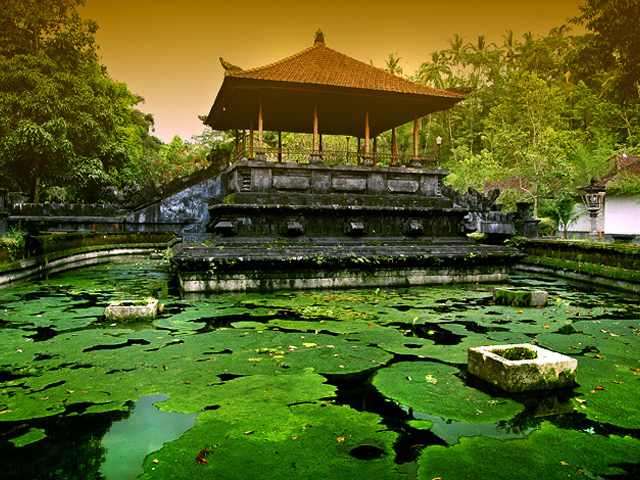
x: 613, y: 334
x: 200, y: 457
x: 598, y: 356
x: 599, y: 388
x: 340, y: 439
x: 5, y: 411
x: 310, y: 344
x: 568, y: 311
x: 248, y: 432
x: 545, y: 326
x: 564, y: 464
x: 520, y: 311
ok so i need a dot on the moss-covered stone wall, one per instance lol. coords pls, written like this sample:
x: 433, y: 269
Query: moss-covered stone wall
x: 48, y: 254
x: 613, y: 265
x: 46, y: 244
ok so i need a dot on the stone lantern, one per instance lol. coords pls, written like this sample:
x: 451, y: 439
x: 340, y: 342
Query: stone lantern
x: 592, y: 200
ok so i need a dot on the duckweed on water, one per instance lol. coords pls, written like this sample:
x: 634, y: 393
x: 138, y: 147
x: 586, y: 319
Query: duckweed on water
x: 324, y: 384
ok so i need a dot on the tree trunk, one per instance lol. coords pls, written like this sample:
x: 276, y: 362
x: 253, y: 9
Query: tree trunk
x: 36, y: 190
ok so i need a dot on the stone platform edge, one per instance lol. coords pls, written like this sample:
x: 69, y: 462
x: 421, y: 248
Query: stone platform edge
x: 47, y: 264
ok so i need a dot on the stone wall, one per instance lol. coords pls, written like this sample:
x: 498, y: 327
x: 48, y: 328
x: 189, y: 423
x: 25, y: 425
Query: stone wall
x: 181, y: 209
x: 609, y: 265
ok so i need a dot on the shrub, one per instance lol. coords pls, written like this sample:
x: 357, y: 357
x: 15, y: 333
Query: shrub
x: 548, y: 227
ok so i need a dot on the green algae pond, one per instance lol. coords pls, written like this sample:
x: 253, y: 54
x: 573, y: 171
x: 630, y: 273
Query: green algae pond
x: 308, y: 384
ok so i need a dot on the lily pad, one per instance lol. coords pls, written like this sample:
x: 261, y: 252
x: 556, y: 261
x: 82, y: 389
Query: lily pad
x: 436, y: 389
x: 550, y: 453
x: 32, y: 436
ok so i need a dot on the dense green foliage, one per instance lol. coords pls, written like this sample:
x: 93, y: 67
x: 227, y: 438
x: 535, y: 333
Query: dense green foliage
x: 68, y: 131
x: 544, y: 115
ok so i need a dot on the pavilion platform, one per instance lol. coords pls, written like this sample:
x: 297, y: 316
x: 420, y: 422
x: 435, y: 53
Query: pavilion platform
x: 292, y: 226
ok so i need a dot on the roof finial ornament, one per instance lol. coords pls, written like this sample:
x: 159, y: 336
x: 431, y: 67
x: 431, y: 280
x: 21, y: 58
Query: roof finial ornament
x: 228, y: 66
x: 319, y: 40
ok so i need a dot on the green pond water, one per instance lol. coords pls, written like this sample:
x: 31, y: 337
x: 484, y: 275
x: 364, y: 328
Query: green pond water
x: 362, y: 383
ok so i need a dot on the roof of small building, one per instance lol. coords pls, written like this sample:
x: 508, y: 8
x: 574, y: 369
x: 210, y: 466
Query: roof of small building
x: 627, y: 166
x: 340, y: 87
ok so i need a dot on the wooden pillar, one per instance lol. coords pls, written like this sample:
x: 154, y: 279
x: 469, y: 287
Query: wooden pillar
x: 316, y: 157
x: 315, y: 129
x: 280, y: 147
x: 251, y: 138
x: 375, y: 151
x: 237, y: 146
x: 260, y: 143
x: 415, y: 137
x: 358, y: 155
x: 394, y: 146
x: 366, y: 135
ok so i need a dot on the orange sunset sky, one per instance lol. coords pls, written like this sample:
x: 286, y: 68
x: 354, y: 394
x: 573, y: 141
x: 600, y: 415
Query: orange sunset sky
x: 167, y: 50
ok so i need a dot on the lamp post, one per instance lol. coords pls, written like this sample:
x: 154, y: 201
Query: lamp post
x: 592, y: 194
x: 438, y: 142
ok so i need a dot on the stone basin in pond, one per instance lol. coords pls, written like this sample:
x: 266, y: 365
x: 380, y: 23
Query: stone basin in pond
x: 522, y: 367
x: 132, y: 310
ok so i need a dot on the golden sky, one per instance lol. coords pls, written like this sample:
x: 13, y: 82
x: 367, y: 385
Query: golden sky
x: 167, y: 50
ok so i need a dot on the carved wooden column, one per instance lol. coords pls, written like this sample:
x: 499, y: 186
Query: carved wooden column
x: 367, y: 134
x: 315, y: 155
x: 260, y: 154
x: 394, y: 147
x: 251, y: 139
x: 375, y: 151
x: 415, y: 162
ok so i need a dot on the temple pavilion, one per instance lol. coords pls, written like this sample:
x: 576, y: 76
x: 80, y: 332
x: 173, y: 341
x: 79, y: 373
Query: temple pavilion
x: 318, y: 221
x: 321, y: 91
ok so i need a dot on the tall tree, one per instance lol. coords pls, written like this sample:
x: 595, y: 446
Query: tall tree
x: 50, y: 77
x: 615, y: 42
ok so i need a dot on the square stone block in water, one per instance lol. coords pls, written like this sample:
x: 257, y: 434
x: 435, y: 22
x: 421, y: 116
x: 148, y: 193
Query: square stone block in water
x: 522, y: 367
x: 520, y: 298
x: 132, y: 310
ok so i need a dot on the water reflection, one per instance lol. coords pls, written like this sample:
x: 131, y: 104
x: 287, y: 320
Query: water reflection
x: 71, y: 450
x: 129, y: 441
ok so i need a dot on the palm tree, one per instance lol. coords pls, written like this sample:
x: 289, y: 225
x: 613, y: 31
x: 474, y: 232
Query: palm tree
x: 479, y: 55
x: 393, y: 64
x: 457, y: 50
x: 431, y: 72
x: 510, y: 46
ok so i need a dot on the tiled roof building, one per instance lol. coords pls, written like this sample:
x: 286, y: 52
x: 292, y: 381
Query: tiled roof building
x: 345, y: 95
